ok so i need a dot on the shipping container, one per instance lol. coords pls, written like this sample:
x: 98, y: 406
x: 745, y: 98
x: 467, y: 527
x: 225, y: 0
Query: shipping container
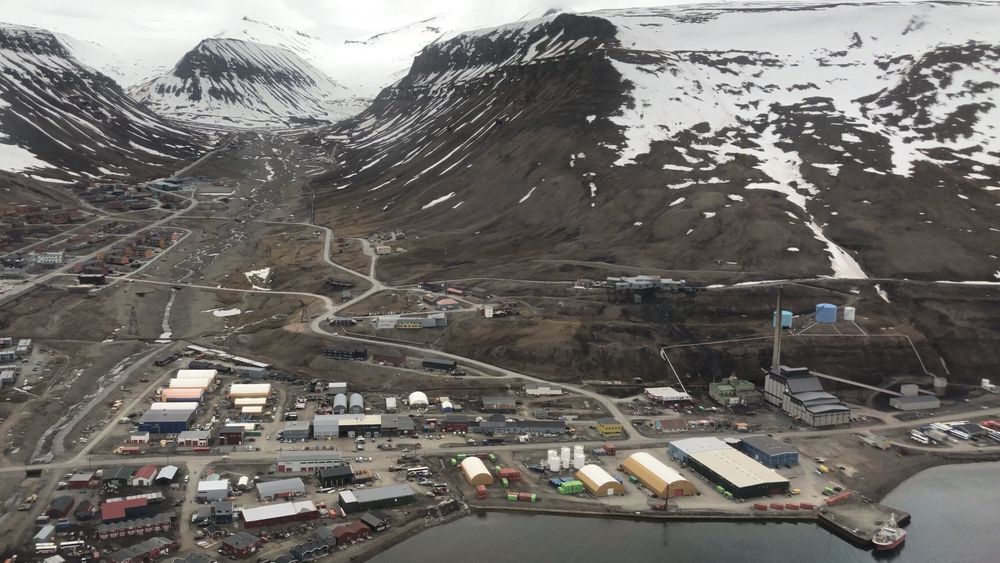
x: 512, y: 496
x: 505, y: 483
x: 481, y: 492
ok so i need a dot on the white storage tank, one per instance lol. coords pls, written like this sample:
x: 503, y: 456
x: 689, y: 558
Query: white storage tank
x: 579, y: 460
x: 553, y: 461
x: 849, y: 313
x: 564, y: 456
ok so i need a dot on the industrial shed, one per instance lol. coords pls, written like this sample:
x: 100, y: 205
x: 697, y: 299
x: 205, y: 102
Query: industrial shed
x: 197, y: 374
x: 336, y: 476
x: 599, y: 482
x: 283, y: 488
x: 418, y: 399
x: 165, y: 422
x: 279, y: 513
x: 238, y: 390
x: 475, y: 471
x: 296, y: 430
x: 918, y: 403
x: 213, y: 490
x: 191, y: 383
x: 250, y: 402
x: 175, y: 406
x: 656, y: 476
x: 182, y: 395
x: 380, y: 497
x: 768, y: 451
x: 729, y: 468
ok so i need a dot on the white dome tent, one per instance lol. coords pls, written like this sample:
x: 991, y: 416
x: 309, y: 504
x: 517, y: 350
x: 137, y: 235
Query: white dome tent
x: 418, y: 399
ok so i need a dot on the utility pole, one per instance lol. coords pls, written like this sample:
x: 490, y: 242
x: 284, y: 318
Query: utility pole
x: 776, y: 353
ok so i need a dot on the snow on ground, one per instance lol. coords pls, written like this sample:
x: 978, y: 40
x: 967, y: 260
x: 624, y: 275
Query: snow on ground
x: 16, y: 159
x: 881, y: 293
x: 735, y: 197
x: 671, y: 92
x: 439, y: 200
x: 258, y: 278
x: 527, y: 195
x: 833, y: 169
x: 792, y: 249
x: 223, y: 312
x: 708, y: 214
x: 677, y: 201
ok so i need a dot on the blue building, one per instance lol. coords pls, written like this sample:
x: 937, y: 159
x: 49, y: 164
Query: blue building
x: 165, y: 421
x: 768, y: 451
x: 786, y: 319
x: 826, y: 313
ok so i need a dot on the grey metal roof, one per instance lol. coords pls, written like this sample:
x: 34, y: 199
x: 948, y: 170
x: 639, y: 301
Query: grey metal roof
x: 240, y: 540
x: 297, y: 425
x: 166, y: 416
x: 308, y: 456
x: 377, y: 494
x: 769, y: 445
x: 820, y: 409
x: 803, y: 384
x: 271, y: 488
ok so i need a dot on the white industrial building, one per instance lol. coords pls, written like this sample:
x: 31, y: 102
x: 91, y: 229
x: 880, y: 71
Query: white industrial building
x: 174, y: 406
x: 728, y: 467
x: 197, y: 374
x: 238, y: 390
x: 250, y: 402
x: 667, y: 395
x: 541, y: 389
x: 191, y: 383
x: 599, y: 482
x: 53, y: 258
x: 307, y: 461
x: 213, y: 490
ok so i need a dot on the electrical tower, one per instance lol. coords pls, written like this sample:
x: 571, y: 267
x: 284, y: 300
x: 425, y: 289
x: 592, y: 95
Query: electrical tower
x: 133, y: 322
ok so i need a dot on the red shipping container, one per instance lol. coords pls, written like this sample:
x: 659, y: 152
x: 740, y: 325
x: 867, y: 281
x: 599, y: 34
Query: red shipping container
x: 481, y: 492
x: 807, y: 506
x: 760, y: 506
x: 777, y: 506
x: 524, y: 496
x: 841, y: 497
x: 609, y: 448
x: 510, y: 473
x: 791, y: 506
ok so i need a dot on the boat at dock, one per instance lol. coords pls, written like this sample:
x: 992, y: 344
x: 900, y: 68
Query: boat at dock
x: 889, y: 536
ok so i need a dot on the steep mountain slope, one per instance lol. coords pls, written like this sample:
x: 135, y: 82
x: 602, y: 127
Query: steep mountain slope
x: 246, y: 84
x: 753, y: 140
x: 62, y: 120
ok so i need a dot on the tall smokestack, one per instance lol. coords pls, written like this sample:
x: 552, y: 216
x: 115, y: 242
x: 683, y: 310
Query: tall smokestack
x: 776, y: 353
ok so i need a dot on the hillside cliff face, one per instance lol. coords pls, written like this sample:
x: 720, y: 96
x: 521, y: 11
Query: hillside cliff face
x: 245, y: 84
x: 60, y: 119
x: 757, y: 141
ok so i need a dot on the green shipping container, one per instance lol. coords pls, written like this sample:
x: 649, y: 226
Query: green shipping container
x: 512, y: 497
x: 505, y: 483
x: 493, y: 458
x: 496, y: 468
x: 460, y: 457
x: 454, y: 461
x: 534, y: 497
x: 633, y: 479
x: 720, y: 489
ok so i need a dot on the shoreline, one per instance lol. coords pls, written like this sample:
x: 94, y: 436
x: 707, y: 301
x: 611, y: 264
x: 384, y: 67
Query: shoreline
x: 882, y: 489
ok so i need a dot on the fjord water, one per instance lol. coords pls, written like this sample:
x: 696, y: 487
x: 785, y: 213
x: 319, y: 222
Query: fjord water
x: 954, y: 521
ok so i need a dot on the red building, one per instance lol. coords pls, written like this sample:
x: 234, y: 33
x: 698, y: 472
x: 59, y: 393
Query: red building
x: 351, y: 533
x: 118, y: 510
x: 240, y: 544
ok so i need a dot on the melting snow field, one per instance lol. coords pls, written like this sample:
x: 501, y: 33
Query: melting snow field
x: 223, y: 312
x: 439, y: 200
x: 16, y: 159
x: 527, y: 195
x: 258, y: 278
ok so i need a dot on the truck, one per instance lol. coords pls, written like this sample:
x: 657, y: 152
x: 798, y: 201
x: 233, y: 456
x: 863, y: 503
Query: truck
x: 128, y: 450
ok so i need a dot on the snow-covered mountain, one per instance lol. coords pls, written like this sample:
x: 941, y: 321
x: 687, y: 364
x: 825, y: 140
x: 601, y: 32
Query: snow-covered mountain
x: 246, y: 84
x: 59, y: 119
x: 773, y: 139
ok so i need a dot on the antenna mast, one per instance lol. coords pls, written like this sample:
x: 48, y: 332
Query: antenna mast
x: 776, y: 353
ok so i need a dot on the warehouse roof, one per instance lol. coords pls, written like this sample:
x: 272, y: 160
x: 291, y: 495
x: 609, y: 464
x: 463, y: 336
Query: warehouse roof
x: 168, y: 472
x: 272, y: 511
x: 296, y: 425
x: 769, y: 445
x: 240, y: 540
x: 117, y: 472
x: 193, y: 435
x: 250, y: 389
x: 667, y: 394
x: 597, y: 476
x: 196, y: 373
x: 182, y: 393
x: 499, y: 400
x: 376, y: 494
x: 271, y: 488
x: 659, y: 469
x: 417, y: 398
x: 191, y: 383
x: 175, y: 406
x: 166, y: 416
x: 737, y: 468
x: 335, y: 471
x: 217, y: 485
x: 145, y: 472
x: 694, y: 445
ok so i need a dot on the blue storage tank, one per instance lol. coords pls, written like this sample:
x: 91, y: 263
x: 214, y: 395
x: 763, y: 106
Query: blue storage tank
x: 826, y: 313
x: 786, y: 319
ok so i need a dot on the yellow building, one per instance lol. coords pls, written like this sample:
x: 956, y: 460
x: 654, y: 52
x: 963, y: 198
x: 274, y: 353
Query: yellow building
x: 609, y: 427
x: 656, y: 476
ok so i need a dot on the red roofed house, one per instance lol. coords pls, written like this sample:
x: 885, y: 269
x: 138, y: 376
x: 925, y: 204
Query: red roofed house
x: 351, y: 532
x: 143, y: 477
x: 116, y: 511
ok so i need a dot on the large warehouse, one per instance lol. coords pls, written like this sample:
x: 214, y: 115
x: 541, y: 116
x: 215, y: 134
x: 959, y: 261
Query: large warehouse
x: 656, y: 476
x: 279, y: 513
x: 182, y: 395
x: 197, y: 374
x: 191, y: 383
x: 282, y: 488
x: 475, y: 471
x: 380, y: 497
x: 165, y: 421
x: 599, y: 482
x: 727, y: 467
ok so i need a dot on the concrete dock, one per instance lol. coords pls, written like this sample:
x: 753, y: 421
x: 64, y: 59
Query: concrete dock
x: 856, y: 520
